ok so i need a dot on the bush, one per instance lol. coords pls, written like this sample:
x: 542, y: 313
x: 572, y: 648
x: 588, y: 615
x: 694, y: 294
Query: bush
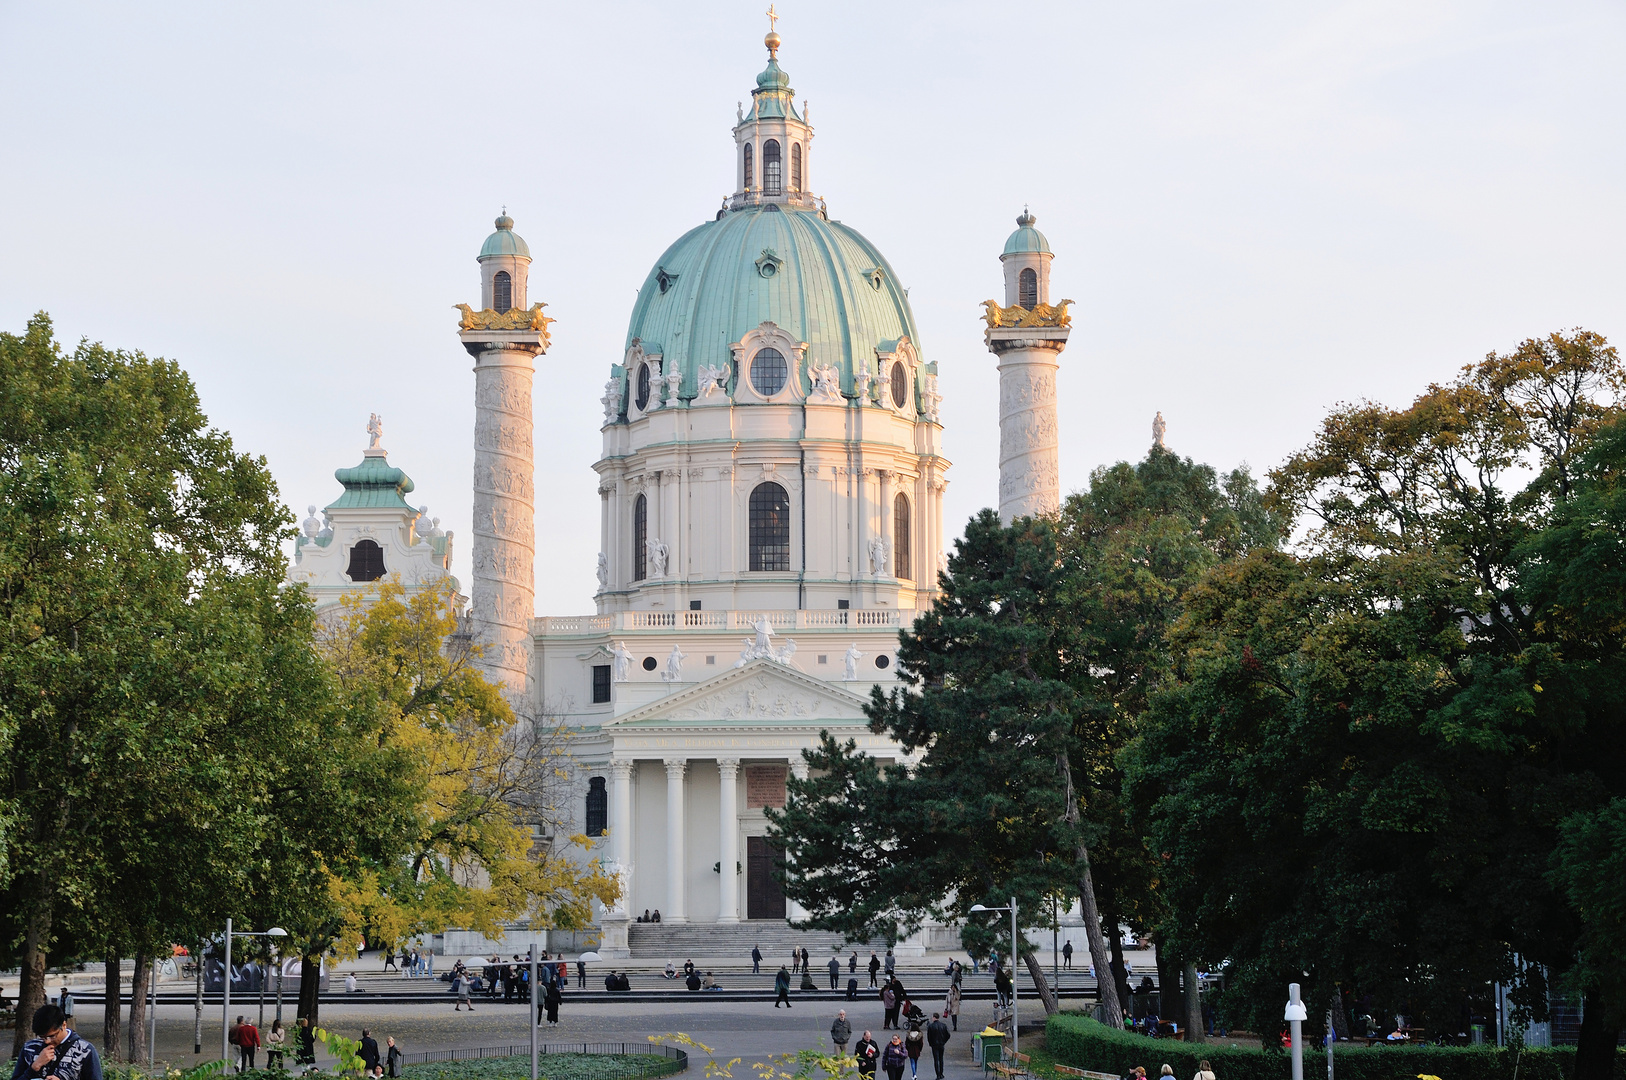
x: 1083, y: 1043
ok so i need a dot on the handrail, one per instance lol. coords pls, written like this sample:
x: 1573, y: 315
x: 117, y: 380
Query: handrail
x: 623, y: 622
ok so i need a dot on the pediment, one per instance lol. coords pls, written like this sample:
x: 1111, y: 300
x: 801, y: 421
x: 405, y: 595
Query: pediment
x: 763, y: 691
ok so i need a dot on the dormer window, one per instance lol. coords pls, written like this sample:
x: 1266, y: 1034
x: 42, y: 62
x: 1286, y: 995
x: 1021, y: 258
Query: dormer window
x: 502, y: 292
x: 900, y: 384
x: 769, y: 372
x: 642, y: 397
x: 796, y: 166
x: 1027, y: 288
x: 366, y: 561
x: 770, y: 168
x: 749, y: 173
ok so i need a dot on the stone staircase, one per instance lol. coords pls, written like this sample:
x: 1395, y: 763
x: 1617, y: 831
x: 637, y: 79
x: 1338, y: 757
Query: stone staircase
x: 734, y: 941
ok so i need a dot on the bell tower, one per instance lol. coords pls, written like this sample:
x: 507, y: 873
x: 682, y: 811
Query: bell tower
x: 504, y: 337
x: 1027, y: 334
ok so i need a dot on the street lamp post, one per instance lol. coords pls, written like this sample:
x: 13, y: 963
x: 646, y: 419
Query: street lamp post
x: 1015, y: 1037
x: 1295, y: 1015
x: 225, y: 984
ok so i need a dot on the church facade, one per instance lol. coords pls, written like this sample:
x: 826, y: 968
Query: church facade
x: 770, y: 483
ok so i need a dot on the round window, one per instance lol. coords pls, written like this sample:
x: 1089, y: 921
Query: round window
x: 769, y: 372
x: 643, y: 387
x: 649, y: 663
x: 882, y: 661
x: 900, y: 385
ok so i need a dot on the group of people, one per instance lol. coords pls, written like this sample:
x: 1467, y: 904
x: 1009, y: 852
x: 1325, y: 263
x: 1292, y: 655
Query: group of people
x: 692, y: 977
x: 647, y: 917
x: 902, y: 1052
x: 1205, y: 1071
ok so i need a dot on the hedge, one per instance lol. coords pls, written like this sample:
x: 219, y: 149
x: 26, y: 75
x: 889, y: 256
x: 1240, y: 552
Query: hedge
x: 1084, y: 1043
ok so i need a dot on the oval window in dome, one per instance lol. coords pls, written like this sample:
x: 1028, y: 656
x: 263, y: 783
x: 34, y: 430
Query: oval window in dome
x: 643, y: 387
x: 769, y: 372
x: 900, y: 385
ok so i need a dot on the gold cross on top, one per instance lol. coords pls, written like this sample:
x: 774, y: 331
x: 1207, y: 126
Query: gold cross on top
x: 773, y: 18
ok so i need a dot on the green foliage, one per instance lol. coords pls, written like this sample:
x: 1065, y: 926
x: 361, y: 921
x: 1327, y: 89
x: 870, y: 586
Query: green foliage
x: 346, y: 1052
x: 1085, y: 1044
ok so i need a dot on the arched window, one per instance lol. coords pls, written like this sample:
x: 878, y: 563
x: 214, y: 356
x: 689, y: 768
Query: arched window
x: 770, y: 167
x: 640, y: 534
x: 770, y: 528
x: 769, y: 371
x: 598, y: 807
x: 643, y: 387
x: 502, y: 292
x: 1027, y: 288
x: 900, y: 384
x: 900, y: 536
x: 366, y: 561
x: 749, y: 172
x: 796, y: 166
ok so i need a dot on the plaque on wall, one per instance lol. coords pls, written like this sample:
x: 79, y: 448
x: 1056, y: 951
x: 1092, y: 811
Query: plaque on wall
x: 764, y: 786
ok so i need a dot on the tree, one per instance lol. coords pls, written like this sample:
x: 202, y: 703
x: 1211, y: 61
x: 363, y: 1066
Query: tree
x: 1021, y: 683
x: 1375, y: 740
x: 148, y: 640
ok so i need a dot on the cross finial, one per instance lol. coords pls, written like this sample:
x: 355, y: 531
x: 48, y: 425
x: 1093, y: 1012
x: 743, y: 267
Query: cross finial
x: 773, y: 17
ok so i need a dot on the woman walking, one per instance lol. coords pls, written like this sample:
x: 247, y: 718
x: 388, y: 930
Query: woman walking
x: 951, y: 1006
x: 306, y: 1053
x: 274, y: 1042
x: 392, y: 1058
x: 894, y: 1059
x: 551, y: 999
x: 914, y: 1043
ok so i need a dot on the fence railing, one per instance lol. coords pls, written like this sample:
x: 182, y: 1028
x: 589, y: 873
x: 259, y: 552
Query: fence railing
x: 804, y: 619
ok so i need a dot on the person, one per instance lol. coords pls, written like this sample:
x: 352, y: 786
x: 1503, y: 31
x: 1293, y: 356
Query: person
x: 56, y: 1050
x: 804, y: 957
x: 1067, y: 955
x: 1205, y: 1071
x: 852, y: 988
x: 646, y: 916
x: 1002, y: 987
x: 781, y: 986
x: 874, y: 966
x: 671, y: 970
x: 807, y: 982
x: 709, y: 983
x: 1168, y: 1070
x: 890, y: 1001
x: 692, y: 981
x: 460, y: 984
x: 937, y: 1037
x: 350, y: 983
x: 840, y: 1032
x: 275, y: 1039
x: 248, y: 1044
x: 867, y: 1053
x: 305, y: 1051
x: 581, y: 974
x: 393, y: 1056
x: 835, y: 971
x: 795, y: 961
x: 551, y: 1001
x: 913, y: 1044
x: 389, y: 959
x: 852, y: 963
x: 756, y: 960
x: 951, y: 1005
x: 891, y: 962
x: 894, y: 1059
x: 368, y: 1051
x: 688, y: 967
x: 64, y: 1002
x: 657, y: 917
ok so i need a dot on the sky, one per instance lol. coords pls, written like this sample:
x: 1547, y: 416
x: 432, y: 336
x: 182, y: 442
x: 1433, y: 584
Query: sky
x: 1261, y: 209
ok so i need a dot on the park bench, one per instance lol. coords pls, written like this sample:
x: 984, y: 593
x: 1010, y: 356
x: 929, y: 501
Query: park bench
x: 1015, y: 1070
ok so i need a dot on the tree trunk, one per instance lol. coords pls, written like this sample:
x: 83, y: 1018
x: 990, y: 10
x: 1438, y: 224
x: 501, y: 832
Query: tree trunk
x: 1595, y: 1049
x: 310, y: 986
x: 1111, y: 1011
x: 31, y: 989
x: 138, y: 1006
x: 1340, y: 1016
x: 112, y: 1012
x: 1171, y: 1004
x: 1119, y: 970
x: 1040, y: 983
x: 1196, y: 1031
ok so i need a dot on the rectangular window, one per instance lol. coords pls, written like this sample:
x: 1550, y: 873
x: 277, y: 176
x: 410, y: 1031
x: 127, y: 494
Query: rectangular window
x: 601, y: 683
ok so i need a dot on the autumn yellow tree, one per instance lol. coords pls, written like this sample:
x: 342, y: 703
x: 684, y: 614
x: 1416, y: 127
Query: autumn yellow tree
x: 454, y: 792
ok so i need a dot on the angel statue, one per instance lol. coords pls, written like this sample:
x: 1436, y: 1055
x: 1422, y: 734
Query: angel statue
x: 658, y: 552
x: 787, y: 652
x: 712, y: 378
x: 375, y: 432
x: 849, y: 669
x: 763, y: 645
x: 621, y: 657
x: 877, y: 556
x: 674, y: 665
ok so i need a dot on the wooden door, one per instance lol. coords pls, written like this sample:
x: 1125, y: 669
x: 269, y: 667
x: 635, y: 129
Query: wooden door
x: 764, y: 899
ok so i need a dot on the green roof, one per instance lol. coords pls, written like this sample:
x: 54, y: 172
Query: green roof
x: 1026, y: 239
x: 373, y: 484
x: 505, y: 241
x: 777, y: 263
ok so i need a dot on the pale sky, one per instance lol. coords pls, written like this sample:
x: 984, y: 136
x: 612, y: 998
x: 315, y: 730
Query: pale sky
x: 1261, y: 209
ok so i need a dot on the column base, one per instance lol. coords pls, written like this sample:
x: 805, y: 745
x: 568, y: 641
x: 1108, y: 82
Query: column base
x: 612, y: 943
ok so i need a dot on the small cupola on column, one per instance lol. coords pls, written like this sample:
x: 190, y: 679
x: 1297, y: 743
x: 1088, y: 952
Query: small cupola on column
x: 1027, y: 264
x: 505, y: 261
x: 772, y: 142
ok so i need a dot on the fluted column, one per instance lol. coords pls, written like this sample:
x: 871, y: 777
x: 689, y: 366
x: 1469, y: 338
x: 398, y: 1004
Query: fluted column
x: 676, y: 865
x: 621, y: 825
x: 793, y: 910
x: 728, y: 820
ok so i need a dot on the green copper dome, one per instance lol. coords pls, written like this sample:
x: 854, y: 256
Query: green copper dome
x: 505, y: 241
x: 819, y: 280
x: 374, y: 483
x: 1026, y: 239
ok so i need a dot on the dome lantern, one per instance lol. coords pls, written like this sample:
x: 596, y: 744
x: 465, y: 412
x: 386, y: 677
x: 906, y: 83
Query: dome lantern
x: 772, y: 142
x: 1026, y: 259
x: 505, y: 262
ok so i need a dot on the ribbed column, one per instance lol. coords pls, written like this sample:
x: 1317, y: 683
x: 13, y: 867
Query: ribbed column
x: 503, y: 593
x: 676, y: 864
x: 728, y: 822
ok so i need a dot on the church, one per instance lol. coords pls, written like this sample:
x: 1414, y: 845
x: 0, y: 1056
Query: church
x: 770, y: 486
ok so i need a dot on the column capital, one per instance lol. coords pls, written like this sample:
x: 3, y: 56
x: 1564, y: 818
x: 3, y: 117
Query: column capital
x: 675, y: 767
x: 621, y: 768
x: 728, y: 766
x: 798, y: 767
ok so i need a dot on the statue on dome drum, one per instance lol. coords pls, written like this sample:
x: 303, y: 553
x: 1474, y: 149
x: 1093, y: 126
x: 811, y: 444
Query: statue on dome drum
x: 621, y: 661
x: 674, y: 665
x: 826, y: 383
x: 658, y: 554
x: 850, y: 660
x: 603, y: 571
x: 375, y: 432
x: 877, y: 556
x: 1158, y: 428
x: 712, y: 378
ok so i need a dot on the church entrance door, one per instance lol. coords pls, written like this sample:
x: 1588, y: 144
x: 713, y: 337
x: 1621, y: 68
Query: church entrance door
x: 764, y: 899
